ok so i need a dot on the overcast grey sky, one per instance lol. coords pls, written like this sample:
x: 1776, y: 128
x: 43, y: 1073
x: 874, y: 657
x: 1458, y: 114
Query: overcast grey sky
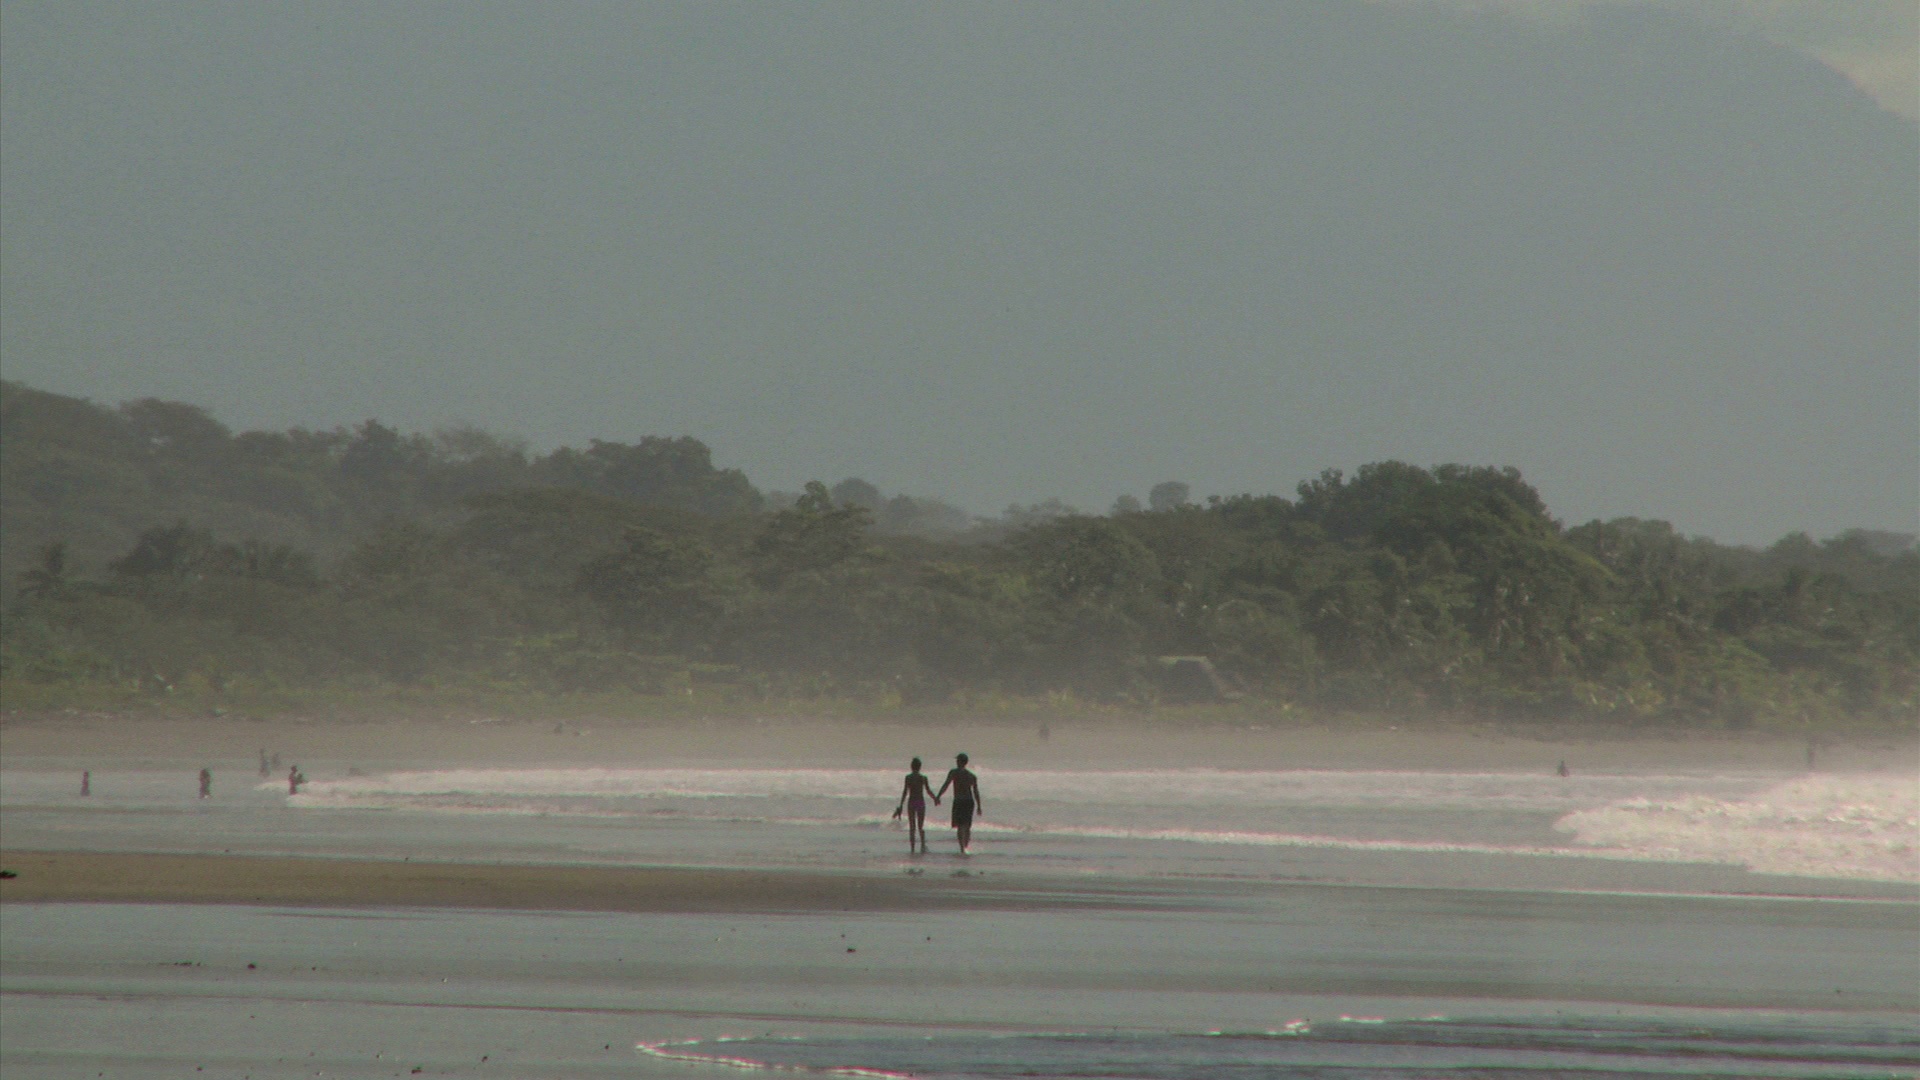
x: 999, y: 253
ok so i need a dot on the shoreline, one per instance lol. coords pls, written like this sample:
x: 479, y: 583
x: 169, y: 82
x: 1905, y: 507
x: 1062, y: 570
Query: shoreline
x: 329, y: 882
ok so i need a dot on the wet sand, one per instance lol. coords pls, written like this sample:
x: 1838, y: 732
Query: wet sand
x: 131, y: 946
x: 246, y: 990
x: 74, y: 877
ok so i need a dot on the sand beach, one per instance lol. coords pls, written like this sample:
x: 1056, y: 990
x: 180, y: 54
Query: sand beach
x: 501, y: 899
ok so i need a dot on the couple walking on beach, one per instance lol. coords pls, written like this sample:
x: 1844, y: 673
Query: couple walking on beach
x: 966, y: 802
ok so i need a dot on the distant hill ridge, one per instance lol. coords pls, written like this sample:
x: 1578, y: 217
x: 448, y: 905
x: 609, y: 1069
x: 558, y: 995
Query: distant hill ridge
x: 94, y: 477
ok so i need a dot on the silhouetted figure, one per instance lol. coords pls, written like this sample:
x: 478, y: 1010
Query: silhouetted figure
x: 913, y: 799
x: 275, y: 760
x: 966, y: 799
x: 294, y: 779
x: 1562, y: 770
x: 265, y: 769
x: 86, y: 783
x: 206, y: 784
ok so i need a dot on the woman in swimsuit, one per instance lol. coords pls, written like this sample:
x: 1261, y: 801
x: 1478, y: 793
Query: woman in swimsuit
x: 913, y: 799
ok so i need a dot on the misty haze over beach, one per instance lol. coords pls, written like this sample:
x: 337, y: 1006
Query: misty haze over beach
x: 998, y: 255
x: 1403, y: 517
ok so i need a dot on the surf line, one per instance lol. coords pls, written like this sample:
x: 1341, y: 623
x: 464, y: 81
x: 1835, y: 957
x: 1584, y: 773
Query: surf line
x: 667, y: 1051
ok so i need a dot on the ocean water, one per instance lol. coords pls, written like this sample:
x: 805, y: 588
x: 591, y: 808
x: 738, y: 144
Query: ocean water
x: 1182, y: 822
x: 1486, y: 956
x: 1355, y: 1048
x: 1842, y: 826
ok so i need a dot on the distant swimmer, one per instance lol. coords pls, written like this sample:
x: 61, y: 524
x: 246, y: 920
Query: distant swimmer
x: 206, y: 783
x: 1562, y: 770
x: 294, y: 779
x: 913, y: 799
x: 86, y: 782
x: 966, y: 799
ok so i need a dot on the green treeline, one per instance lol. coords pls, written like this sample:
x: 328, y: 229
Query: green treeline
x: 245, y: 564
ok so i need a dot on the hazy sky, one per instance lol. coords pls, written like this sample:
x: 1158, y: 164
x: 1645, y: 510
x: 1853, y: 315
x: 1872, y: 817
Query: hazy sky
x: 996, y: 253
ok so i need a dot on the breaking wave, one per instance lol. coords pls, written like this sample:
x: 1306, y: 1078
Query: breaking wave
x: 1827, y: 826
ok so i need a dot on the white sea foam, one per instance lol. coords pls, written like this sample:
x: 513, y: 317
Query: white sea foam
x: 1304, y: 840
x: 628, y: 783
x: 1861, y: 826
x: 1170, y: 788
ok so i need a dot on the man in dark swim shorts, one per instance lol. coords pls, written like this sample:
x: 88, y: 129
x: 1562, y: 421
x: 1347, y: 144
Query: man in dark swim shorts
x: 966, y: 799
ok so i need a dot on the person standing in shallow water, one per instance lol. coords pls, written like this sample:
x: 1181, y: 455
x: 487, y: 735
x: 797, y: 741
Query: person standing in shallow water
x: 966, y: 799
x: 206, y: 783
x: 913, y: 799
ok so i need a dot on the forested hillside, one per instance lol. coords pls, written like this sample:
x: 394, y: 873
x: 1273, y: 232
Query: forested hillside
x: 152, y: 555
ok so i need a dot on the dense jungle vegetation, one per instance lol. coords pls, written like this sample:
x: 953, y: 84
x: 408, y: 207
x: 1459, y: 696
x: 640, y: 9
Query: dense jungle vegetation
x: 151, y: 556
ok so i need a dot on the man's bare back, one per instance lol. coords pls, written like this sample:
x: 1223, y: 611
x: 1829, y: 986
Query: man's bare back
x: 966, y: 798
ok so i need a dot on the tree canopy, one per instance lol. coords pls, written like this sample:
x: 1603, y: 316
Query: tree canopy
x: 150, y: 547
